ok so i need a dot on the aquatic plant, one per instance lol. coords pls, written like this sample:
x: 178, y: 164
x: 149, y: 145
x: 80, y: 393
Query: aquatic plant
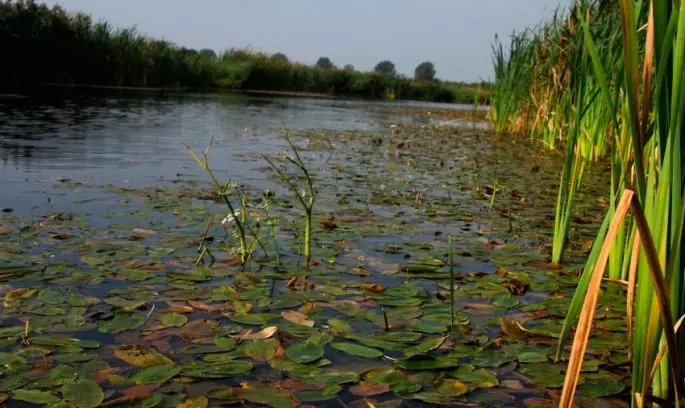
x: 306, y: 198
x: 234, y: 216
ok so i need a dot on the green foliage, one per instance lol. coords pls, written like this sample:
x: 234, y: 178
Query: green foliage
x: 385, y: 68
x: 279, y: 56
x: 425, y: 71
x: 43, y: 45
x: 325, y: 63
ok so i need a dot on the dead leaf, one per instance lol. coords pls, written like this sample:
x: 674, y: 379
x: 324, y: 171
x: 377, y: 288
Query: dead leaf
x: 373, y: 288
x: 140, y: 391
x: 141, y: 356
x: 298, y: 318
x: 203, y: 306
x: 177, y: 309
x: 290, y: 385
x: 262, y: 335
x: 102, y: 375
x: 364, y: 389
x: 197, y: 402
x: 545, y: 265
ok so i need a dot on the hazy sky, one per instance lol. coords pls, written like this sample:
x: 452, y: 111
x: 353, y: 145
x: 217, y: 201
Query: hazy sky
x: 454, y: 34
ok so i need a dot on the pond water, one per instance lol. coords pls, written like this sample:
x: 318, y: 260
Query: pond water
x: 104, y: 211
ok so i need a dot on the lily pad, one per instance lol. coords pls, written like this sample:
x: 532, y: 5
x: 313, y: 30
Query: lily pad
x: 156, y: 374
x: 356, y: 350
x: 83, y: 394
x: 304, y: 352
x: 424, y: 347
x: 34, y: 396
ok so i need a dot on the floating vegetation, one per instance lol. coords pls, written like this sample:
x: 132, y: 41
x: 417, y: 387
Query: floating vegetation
x: 420, y: 286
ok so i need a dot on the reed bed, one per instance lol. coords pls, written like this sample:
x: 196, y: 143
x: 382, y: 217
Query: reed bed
x: 605, y: 80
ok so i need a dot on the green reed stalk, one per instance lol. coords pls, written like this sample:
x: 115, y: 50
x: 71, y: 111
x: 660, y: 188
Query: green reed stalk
x: 306, y: 200
x: 451, y: 261
x: 222, y: 191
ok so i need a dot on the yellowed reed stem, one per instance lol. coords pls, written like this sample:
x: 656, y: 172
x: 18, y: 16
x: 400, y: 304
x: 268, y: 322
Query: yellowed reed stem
x: 588, y: 313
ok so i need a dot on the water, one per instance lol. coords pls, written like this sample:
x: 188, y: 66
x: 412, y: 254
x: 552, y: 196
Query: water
x: 139, y: 141
x: 116, y: 165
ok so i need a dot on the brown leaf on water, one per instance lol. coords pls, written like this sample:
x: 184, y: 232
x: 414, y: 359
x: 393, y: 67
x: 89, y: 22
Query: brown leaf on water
x: 516, y: 287
x: 231, y: 261
x: 61, y: 236
x: 177, y: 309
x: 140, y: 391
x: 102, y: 375
x: 290, y: 385
x: 297, y: 318
x: 328, y: 225
x: 510, y: 328
x: 136, y: 237
x: 365, y: 389
x: 373, y: 288
x: 528, y: 316
x: 479, y: 306
x: 161, y: 334
x: 197, y: 329
x: 203, y: 306
x: 262, y: 335
x: 197, y: 402
x: 252, y: 278
x: 307, y: 307
x: 544, y: 265
x: 141, y: 356
x: 119, y: 401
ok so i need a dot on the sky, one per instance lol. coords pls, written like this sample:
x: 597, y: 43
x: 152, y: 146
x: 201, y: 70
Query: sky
x: 453, y: 34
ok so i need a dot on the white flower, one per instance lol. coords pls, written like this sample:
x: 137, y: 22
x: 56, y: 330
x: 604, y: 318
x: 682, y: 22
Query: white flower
x: 230, y: 220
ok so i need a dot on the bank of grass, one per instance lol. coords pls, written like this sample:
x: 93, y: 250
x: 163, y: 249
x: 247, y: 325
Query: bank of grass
x: 606, y: 81
x: 43, y: 45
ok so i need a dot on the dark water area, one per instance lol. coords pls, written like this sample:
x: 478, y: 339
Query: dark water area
x: 104, y: 210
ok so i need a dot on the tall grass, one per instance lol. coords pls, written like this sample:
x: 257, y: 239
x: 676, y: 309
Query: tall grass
x: 633, y: 85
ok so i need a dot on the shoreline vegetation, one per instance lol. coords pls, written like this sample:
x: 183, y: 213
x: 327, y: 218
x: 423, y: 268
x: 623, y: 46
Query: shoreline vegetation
x: 43, y: 45
x: 604, y: 83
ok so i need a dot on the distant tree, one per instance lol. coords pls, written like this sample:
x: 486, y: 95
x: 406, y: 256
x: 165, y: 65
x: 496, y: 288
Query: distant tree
x: 325, y: 62
x: 349, y: 67
x: 279, y: 56
x: 208, y: 52
x: 386, y: 68
x: 425, y: 71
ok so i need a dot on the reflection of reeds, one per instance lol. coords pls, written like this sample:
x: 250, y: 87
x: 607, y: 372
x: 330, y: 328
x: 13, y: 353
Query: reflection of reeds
x: 610, y: 80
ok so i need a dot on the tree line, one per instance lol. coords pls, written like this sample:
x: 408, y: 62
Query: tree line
x: 48, y: 45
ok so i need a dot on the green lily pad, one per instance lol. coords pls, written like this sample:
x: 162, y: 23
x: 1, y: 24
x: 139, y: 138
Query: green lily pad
x: 121, y: 322
x: 424, y: 347
x: 156, y: 374
x: 227, y: 368
x: 452, y: 388
x: 532, y: 357
x: 34, y: 396
x: 427, y: 363
x: 83, y: 394
x: 173, y: 320
x: 480, y: 378
x: 304, y: 352
x: 399, y: 337
x: 601, y: 387
x: 375, y: 342
x: 356, y: 350
x: 327, y: 393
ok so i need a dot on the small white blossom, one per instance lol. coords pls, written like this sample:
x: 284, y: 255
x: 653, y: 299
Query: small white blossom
x: 230, y: 220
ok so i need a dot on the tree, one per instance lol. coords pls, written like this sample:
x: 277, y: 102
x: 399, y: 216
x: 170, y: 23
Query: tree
x: 208, y: 52
x: 325, y: 63
x: 386, y: 68
x: 280, y: 57
x: 425, y: 71
x: 349, y: 67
